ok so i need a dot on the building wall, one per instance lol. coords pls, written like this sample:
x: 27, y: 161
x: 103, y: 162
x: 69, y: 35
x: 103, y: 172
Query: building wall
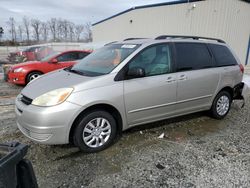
x: 225, y: 19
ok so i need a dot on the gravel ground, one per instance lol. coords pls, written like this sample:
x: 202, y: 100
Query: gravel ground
x: 196, y: 151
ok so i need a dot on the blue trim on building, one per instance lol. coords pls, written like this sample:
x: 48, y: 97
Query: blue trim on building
x: 153, y: 5
x: 248, y: 51
x: 148, y: 6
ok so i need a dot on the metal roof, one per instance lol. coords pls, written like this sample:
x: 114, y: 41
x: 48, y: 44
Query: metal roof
x: 152, y: 5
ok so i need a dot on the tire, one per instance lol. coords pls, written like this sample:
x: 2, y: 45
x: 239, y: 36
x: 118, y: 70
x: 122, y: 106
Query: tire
x: 221, y: 105
x: 33, y: 75
x: 90, y: 138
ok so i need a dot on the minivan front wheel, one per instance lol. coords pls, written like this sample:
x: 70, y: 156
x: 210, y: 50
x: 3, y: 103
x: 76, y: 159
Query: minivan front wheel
x: 95, y: 131
x: 221, y: 105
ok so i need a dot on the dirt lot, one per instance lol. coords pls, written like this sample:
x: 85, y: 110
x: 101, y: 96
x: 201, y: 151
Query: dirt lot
x: 196, y: 151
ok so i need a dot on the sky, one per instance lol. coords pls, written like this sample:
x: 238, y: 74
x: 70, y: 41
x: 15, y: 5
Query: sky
x: 77, y: 11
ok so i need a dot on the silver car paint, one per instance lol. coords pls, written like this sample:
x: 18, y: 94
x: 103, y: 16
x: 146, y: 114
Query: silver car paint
x: 138, y: 101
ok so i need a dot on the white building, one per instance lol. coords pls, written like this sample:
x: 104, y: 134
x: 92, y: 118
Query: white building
x: 228, y: 20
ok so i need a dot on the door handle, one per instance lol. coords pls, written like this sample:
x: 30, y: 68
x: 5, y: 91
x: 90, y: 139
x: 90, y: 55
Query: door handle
x: 183, y: 77
x: 170, y: 79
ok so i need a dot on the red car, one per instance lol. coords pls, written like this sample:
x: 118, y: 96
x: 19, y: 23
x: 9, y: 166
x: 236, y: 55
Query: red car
x: 23, y: 73
x: 30, y: 54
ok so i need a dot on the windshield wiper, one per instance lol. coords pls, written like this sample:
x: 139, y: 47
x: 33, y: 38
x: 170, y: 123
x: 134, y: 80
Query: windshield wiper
x: 69, y: 69
x: 76, y: 71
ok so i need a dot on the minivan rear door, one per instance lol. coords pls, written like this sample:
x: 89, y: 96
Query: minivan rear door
x: 197, y: 77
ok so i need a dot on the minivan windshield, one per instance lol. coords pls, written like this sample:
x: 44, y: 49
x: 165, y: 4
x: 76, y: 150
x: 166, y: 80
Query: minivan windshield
x: 103, y: 60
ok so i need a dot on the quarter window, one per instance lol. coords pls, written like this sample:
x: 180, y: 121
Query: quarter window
x: 192, y: 56
x: 222, y: 55
x: 154, y: 60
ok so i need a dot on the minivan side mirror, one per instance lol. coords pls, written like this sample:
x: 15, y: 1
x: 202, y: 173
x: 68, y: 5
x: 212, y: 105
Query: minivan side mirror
x: 54, y: 60
x: 135, y: 72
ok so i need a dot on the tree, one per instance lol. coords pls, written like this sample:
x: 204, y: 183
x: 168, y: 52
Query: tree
x: 12, y: 28
x: 36, y: 24
x: 26, y: 23
x: 71, y: 31
x: 65, y: 29
x: 59, y: 29
x: 53, y: 27
x: 44, y: 31
x: 20, y: 33
x: 1, y: 32
x: 78, y: 31
x: 88, y: 32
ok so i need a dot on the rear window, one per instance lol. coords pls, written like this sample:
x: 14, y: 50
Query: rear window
x: 222, y: 55
x: 192, y: 56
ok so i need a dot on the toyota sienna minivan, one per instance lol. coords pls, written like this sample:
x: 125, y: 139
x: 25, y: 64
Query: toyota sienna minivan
x: 129, y: 83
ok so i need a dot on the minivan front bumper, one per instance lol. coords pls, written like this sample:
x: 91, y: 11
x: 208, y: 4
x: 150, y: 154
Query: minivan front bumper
x: 47, y: 125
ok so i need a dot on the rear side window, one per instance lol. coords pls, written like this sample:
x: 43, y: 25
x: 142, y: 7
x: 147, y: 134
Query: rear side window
x: 70, y: 56
x: 222, y: 55
x: 82, y: 55
x: 192, y: 56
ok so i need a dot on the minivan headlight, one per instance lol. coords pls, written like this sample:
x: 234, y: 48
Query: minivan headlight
x: 53, y: 97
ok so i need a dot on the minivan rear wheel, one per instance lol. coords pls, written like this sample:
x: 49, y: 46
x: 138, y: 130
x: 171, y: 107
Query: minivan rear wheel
x: 221, y: 105
x: 95, y: 131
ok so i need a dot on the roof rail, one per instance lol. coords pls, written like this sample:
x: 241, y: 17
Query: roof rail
x: 109, y: 43
x: 133, y: 39
x: 187, y: 37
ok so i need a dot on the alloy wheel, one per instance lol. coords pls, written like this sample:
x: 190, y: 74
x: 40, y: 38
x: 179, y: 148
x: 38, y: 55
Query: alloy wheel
x: 97, y: 132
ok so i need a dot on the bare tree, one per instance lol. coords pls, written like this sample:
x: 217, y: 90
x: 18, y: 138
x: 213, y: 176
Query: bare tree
x: 78, y: 31
x: 59, y: 29
x: 36, y: 24
x: 44, y: 31
x: 88, y: 32
x: 20, y: 32
x: 26, y: 23
x: 12, y: 28
x: 65, y: 29
x: 71, y: 31
x: 53, y: 27
x: 1, y: 32
x: 56, y: 29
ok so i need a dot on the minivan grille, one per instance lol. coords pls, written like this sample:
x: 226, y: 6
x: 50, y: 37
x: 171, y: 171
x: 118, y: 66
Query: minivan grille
x: 26, y: 100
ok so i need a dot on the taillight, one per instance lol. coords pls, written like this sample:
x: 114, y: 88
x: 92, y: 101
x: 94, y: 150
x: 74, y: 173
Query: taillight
x: 241, y: 68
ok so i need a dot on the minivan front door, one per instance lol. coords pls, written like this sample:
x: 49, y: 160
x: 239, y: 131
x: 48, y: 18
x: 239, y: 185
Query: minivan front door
x: 152, y: 97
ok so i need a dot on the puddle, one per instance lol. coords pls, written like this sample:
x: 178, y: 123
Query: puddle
x: 190, y: 129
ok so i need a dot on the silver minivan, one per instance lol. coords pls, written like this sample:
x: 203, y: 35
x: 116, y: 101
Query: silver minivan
x: 128, y: 83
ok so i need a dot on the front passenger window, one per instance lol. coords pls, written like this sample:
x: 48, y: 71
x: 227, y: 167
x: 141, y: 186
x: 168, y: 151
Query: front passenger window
x: 154, y: 60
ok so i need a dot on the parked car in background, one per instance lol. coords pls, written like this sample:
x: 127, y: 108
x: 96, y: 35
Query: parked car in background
x: 126, y: 84
x: 29, y: 54
x: 42, y: 52
x: 23, y: 73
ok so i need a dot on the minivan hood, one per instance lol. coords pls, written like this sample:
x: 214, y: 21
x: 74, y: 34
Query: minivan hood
x: 54, y: 80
